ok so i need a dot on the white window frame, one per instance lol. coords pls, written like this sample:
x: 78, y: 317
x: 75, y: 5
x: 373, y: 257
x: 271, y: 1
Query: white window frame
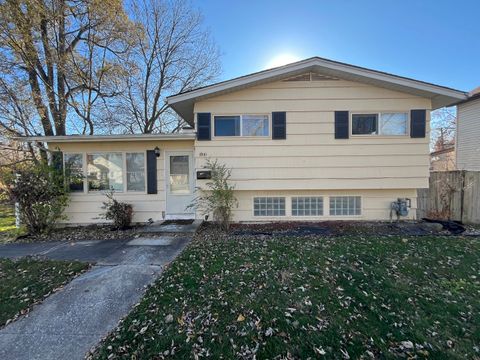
x: 84, y: 169
x: 144, y: 169
x: 269, y: 126
x: 379, y: 114
x: 124, y: 171
x: 350, y: 216
x: 306, y: 197
x: 270, y: 216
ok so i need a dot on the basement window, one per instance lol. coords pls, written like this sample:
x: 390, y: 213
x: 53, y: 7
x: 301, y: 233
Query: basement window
x: 345, y: 205
x: 307, y: 206
x: 269, y: 206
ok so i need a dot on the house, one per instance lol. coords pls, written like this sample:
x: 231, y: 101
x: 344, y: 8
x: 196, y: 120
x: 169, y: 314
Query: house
x: 443, y: 159
x: 468, y: 132
x: 316, y: 139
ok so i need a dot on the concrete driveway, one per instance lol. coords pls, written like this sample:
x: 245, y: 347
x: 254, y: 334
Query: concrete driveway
x: 73, y: 320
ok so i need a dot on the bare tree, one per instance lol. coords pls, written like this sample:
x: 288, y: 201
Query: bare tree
x: 59, y: 57
x: 443, y: 127
x: 174, y: 53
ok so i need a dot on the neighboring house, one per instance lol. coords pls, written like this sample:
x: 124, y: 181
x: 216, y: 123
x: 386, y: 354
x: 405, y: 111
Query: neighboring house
x: 468, y: 132
x: 316, y: 139
x: 443, y: 160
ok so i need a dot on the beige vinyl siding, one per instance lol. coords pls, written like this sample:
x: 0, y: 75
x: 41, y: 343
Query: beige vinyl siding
x: 85, y: 208
x: 311, y: 162
x: 468, y: 135
x: 375, y: 204
x: 310, y: 157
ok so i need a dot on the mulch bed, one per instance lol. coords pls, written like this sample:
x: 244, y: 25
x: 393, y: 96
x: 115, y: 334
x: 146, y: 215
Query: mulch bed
x: 293, y: 229
x: 78, y: 233
x: 330, y: 228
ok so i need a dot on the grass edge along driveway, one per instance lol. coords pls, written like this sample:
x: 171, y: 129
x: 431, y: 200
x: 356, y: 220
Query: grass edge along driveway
x: 344, y: 297
x: 27, y: 281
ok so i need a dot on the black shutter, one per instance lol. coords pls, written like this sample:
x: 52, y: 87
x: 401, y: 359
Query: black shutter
x: 418, y: 123
x: 57, y: 160
x: 341, y: 125
x: 279, y: 125
x: 203, y: 126
x: 151, y: 172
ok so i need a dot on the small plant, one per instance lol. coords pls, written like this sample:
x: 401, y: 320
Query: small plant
x: 40, y: 191
x: 119, y: 212
x: 218, y: 199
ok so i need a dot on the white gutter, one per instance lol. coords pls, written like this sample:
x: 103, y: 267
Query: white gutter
x: 101, y: 138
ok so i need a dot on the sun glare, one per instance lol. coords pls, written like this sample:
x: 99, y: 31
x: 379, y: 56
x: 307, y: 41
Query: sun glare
x: 282, y: 59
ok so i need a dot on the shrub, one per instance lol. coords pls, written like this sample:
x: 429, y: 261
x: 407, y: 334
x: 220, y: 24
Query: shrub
x: 219, y: 199
x: 40, y: 191
x: 119, y: 212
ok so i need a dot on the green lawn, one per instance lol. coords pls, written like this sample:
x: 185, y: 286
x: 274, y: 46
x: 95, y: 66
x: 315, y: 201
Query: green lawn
x: 8, y: 231
x: 26, y: 281
x: 310, y: 297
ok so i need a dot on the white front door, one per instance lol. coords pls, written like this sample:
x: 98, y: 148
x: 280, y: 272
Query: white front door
x: 179, y: 185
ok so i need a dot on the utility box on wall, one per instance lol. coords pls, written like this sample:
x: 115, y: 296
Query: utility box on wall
x: 204, y: 174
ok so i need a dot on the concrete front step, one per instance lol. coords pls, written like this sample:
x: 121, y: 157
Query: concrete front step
x: 159, y: 228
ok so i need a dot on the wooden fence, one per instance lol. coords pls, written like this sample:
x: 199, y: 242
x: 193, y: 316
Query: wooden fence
x: 451, y: 194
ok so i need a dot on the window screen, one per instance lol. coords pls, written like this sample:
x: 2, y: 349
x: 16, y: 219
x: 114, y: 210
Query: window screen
x: 269, y: 206
x: 345, y: 205
x: 255, y: 125
x: 307, y: 206
x: 393, y: 124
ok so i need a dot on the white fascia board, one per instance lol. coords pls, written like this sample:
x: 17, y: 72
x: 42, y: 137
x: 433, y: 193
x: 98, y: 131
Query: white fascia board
x: 322, y: 64
x: 101, y: 138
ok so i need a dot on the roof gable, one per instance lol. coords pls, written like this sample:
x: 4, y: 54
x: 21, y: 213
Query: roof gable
x: 183, y: 103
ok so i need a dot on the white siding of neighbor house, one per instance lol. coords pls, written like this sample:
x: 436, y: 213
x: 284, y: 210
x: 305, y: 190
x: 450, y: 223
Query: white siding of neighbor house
x: 468, y: 136
x: 85, y: 208
x: 311, y: 160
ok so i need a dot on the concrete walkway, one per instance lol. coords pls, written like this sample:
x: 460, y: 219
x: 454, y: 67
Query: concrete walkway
x: 70, y: 322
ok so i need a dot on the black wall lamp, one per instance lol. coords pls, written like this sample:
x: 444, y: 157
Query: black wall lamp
x: 157, y: 151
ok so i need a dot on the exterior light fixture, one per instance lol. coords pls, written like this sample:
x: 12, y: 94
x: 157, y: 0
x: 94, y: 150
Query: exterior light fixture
x: 157, y: 151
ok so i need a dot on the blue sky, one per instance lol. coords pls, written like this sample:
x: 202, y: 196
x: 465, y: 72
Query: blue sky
x: 435, y: 41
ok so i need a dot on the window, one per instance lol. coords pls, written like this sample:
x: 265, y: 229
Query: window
x: 179, y: 170
x: 105, y: 171
x: 393, y: 124
x: 345, y: 205
x: 254, y: 125
x: 364, y: 124
x: 74, y: 171
x: 380, y: 124
x: 244, y: 125
x: 269, y: 206
x: 307, y: 206
x: 135, y: 171
x: 227, y: 125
